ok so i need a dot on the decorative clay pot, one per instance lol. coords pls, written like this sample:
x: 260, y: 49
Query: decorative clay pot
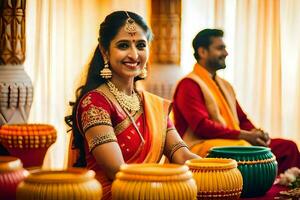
x: 11, y: 174
x: 154, y: 181
x: 73, y: 183
x: 216, y: 178
x: 29, y: 142
x: 257, y: 164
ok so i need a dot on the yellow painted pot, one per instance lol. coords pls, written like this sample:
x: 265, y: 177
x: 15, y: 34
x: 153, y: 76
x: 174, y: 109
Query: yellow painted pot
x: 75, y: 184
x: 216, y: 178
x: 154, y: 181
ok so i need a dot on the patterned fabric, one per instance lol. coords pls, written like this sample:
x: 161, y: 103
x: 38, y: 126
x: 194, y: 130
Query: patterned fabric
x: 94, y: 116
x: 101, y: 139
x: 96, y: 109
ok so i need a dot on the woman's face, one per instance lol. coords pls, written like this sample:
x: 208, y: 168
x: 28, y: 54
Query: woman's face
x: 128, y: 54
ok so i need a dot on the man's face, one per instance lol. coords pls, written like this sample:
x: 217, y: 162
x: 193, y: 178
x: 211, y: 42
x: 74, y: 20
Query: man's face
x: 216, y: 54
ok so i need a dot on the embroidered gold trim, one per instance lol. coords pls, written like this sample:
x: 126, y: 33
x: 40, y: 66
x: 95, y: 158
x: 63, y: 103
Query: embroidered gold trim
x: 95, y: 116
x: 101, y: 139
x: 174, y: 148
x: 104, y: 91
x: 119, y: 128
x: 86, y: 101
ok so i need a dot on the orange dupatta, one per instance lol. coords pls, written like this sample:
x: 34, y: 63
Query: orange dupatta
x: 223, y: 114
x: 218, y: 96
x: 156, y: 113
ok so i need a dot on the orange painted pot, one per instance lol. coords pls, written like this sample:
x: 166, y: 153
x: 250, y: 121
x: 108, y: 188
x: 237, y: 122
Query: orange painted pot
x: 29, y: 142
x: 154, y: 181
x: 216, y: 178
x: 11, y: 174
x: 73, y: 183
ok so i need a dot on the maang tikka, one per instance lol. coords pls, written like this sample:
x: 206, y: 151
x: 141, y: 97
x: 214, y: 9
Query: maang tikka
x: 130, y: 26
x: 106, y: 72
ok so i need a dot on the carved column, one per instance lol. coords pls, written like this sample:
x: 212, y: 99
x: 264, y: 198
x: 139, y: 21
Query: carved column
x: 165, y: 21
x: 16, y: 90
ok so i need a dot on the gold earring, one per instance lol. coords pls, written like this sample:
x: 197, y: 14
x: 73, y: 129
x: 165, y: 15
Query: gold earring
x: 143, y: 73
x: 106, y: 72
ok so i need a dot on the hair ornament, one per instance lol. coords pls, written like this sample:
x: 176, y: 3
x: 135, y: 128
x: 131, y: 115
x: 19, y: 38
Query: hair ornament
x: 130, y: 26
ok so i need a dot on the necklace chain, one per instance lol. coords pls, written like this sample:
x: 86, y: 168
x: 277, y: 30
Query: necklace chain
x: 131, y: 103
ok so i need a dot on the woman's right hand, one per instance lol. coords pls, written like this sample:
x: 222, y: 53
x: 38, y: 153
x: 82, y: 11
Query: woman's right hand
x: 255, y: 137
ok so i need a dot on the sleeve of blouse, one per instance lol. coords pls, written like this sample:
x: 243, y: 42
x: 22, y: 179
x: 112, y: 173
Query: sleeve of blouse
x: 93, y: 110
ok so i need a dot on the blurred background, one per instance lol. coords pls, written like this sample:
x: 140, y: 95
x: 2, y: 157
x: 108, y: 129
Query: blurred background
x: 262, y: 38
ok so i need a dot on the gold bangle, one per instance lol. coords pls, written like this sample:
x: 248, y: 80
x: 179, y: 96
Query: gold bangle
x: 171, y: 129
x: 101, y: 139
x: 174, y: 148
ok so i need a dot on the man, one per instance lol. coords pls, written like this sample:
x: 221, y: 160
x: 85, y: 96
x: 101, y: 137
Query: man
x: 207, y: 114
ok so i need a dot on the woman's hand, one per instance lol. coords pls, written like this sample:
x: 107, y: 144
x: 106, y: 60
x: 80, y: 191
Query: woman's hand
x: 181, y: 154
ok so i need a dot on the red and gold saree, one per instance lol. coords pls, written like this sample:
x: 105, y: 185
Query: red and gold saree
x: 99, y: 107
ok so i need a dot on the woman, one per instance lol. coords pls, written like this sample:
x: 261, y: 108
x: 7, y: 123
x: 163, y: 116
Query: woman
x: 113, y: 123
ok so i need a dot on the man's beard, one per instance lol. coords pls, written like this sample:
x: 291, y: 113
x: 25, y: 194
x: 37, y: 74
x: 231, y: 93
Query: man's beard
x: 215, y: 64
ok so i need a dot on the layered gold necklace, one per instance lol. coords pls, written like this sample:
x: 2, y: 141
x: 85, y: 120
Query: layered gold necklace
x: 128, y: 102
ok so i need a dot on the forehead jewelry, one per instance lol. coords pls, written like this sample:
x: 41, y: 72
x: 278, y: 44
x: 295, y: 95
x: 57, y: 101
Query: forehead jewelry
x: 130, y: 26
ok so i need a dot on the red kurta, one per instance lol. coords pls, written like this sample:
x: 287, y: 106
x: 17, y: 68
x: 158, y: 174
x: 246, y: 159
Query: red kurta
x: 190, y: 111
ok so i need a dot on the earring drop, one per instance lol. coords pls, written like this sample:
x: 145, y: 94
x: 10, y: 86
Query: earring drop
x: 106, y: 72
x: 143, y: 73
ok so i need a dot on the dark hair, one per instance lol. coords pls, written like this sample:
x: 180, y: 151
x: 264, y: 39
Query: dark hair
x: 203, y: 39
x: 109, y: 28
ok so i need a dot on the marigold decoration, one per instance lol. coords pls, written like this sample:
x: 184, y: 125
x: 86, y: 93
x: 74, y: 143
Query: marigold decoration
x: 290, y: 178
x: 29, y: 142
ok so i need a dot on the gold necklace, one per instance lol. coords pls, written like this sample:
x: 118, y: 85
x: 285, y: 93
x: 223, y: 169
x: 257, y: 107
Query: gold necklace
x: 131, y: 103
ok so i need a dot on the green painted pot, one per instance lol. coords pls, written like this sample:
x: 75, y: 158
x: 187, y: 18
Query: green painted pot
x: 257, y: 164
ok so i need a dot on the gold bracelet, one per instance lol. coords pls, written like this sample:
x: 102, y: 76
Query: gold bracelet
x: 174, y: 148
x: 171, y: 129
x: 101, y: 139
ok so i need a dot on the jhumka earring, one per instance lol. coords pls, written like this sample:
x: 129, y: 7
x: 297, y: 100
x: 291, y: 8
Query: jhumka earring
x: 106, y: 72
x: 143, y: 73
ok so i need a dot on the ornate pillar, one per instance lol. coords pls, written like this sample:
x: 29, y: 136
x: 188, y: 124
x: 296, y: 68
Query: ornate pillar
x: 165, y: 22
x: 16, y: 90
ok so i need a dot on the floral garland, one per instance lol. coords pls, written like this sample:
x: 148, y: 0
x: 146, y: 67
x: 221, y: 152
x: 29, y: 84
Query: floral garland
x: 290, y: 178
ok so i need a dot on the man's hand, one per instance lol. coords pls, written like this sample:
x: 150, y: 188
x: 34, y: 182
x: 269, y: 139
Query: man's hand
x: 255, y: 137
x: 265, y: 135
